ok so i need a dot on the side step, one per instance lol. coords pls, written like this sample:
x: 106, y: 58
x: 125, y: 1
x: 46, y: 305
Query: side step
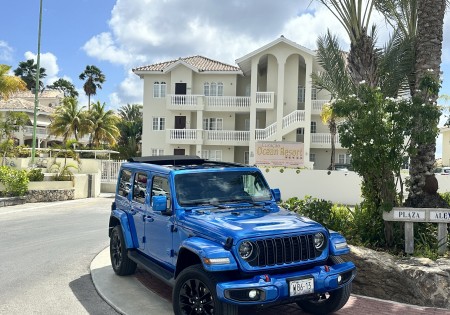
x: 152, y: 267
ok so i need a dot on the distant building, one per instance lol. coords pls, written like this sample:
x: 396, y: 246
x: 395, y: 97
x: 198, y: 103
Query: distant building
x: 199, y: 106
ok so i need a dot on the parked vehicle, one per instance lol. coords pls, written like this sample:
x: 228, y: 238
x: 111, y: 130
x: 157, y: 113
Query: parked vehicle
x: 218, y: 236
x: 442, y: 170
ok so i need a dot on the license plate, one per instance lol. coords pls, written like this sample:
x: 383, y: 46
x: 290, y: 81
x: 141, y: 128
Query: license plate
x: 301, y: 287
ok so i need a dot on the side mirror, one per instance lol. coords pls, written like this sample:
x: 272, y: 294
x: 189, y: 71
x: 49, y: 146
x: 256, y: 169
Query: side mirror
x: 159, y: 203
x: 276, y: 194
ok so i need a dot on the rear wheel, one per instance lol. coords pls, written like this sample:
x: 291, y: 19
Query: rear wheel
x: 120, y: 262
x: 195, y: 293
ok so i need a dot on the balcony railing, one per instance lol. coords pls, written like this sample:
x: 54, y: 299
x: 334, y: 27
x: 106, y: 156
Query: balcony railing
x: 185, y: 134
x: 317, y: 105
x: 263, y: 134
x: 228, y: 101
x: 227, y: 135
x: 324, y: 139
x: 295, y: 116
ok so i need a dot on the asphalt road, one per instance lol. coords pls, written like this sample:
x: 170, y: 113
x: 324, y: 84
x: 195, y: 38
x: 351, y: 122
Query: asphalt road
x: 45, y: 253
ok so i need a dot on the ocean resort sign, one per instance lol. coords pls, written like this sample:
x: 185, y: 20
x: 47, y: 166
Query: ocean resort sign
x: 279, y: 154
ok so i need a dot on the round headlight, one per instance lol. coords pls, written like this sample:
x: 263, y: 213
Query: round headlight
x: 246, y: 249
x: 319, y: 241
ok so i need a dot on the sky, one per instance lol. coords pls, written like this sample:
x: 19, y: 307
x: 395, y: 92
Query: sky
x: 119, y: 35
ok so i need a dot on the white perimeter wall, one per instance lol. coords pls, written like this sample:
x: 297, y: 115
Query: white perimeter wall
x: 339, y: 186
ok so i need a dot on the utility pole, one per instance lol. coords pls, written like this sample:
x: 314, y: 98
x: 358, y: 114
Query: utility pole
x: 36, y: 90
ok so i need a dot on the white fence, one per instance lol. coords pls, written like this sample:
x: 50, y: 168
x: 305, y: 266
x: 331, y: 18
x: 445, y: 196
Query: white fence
x: 110, y: 171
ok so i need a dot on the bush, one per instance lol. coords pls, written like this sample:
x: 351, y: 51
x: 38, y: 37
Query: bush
x: 15, y: 181
x: 35, y: 175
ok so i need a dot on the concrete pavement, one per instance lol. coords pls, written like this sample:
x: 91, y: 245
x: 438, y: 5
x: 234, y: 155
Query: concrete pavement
x: 143, y: 294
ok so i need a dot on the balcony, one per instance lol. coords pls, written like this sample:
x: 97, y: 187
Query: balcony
x: 44, y: 133
x: 317, y: 106
x: 226, y: 137
x: 185, y: 102
x: 323, y: 141
x: 227, y: 103
x: 265, y: 100
x: 184, y: 136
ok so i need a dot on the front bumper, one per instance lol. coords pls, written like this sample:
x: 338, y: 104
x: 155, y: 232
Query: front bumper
x: 275, y: 288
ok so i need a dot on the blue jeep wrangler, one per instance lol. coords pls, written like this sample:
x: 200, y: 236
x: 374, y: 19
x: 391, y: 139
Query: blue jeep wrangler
x: 214, y: 231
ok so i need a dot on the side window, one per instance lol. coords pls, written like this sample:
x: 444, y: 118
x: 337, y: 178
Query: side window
x: 124, y: 183
x: 139, y: 187
x: 160, y: 187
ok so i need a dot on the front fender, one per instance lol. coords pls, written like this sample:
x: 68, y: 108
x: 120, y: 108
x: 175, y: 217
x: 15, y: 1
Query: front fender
x: 338, y: 244
x: 213, y: 256
x: 122, y: 217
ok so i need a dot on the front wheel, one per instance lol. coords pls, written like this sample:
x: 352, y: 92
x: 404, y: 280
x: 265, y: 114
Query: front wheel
x: 328, y: 302
x: 195, y: 293
x: 122, y: 265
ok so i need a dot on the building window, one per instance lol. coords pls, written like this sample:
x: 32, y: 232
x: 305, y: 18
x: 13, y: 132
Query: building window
x: 344, y: 158
x: 213, y: 89
x: 156, y: 152
x: 212, y: 124
x: 159, y: 123
x: 246, y: 157
x: 314, y: 93
x: 313, y: 127
x: 312, y: 157
x: 301, y: 94
x: 159, y: 89
x: 300, y: 131
x: 212, y: 155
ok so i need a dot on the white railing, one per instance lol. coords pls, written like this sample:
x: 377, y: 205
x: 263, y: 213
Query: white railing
x: 228, y: 101
x: 227, y: 135
x: 318, y: 104
x: 265, y: 97
x: 185, y: 134
x: 110, y: 170
x: 39, y: 130
x: 184, y: 100
x: 295, y: 116
x: 323, y: 138
x: 263, y: 134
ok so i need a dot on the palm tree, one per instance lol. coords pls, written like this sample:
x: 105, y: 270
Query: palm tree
x: 68, y: 119
x: 9, y: 84
x: 103, y: 125
x: 27, y: 72
x: 64, y: 86
x: 354, y: 15
x: 94, y: 79
x: 130, y: 127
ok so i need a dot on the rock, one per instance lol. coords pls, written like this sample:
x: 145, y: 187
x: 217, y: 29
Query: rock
x: 417, y: 281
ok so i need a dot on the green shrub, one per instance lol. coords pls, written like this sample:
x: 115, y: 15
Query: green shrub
x: 35, y: 175
x: 15, y: 181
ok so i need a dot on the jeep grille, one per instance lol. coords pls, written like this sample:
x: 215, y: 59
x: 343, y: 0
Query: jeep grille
x: 284, y: 250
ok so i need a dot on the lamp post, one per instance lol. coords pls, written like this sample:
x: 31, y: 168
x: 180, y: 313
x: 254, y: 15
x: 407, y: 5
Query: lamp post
x: 36, y: 90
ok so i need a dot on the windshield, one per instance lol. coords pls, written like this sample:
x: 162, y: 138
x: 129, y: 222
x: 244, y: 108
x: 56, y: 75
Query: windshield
x: 220, y: 187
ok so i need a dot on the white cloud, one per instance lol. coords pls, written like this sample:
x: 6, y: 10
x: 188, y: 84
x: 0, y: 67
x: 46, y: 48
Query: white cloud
x: 103, y: 47
x: 5, y: 52
x: 129, y: 92
x: 48, y: 61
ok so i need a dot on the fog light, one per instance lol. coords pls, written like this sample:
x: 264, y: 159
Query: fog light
x: 252, y: 294
x: 339, y: 279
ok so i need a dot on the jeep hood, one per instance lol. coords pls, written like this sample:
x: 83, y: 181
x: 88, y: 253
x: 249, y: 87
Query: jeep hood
x: 252, y: 223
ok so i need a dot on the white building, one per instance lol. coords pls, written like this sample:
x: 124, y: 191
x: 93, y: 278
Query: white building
x: 199, y: 106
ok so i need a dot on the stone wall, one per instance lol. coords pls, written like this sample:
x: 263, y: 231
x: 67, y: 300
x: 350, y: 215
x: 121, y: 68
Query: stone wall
x: 50, y: 195
x: 418, y: 281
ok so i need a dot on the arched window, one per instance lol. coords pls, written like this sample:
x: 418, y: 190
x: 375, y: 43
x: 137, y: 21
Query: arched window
x: 159, y: 89
x: 206, y: 89
x: 213, y: 90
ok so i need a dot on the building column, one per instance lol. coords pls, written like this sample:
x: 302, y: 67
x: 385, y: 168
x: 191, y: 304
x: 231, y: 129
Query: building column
x: 280, y: 99
x: 253, y: 90
x: 199, y: 147
x: 308, y: 111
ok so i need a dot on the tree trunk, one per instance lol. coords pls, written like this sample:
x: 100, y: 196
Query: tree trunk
x: 362, y: 61
x: 428, y: 57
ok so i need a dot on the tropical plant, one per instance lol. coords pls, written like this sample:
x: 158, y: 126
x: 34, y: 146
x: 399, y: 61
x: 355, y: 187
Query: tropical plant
x: 94, y: 79
x: 64, y: 169
x: 130, y: 126
x: 15, y: 181
x: 9, y: 84
x: 329, y: 118
x: 10, y: 122
x: 27, y: 72
x: 64, y: 86
x: 35, y: 175
x: 103, y: 125
x: 69, y: 120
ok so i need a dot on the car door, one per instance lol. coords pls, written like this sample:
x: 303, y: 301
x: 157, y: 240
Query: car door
x: 139, y: 206
x: 158, y: 228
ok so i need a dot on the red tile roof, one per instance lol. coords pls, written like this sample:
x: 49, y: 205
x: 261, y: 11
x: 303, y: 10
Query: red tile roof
x: 198, y: 62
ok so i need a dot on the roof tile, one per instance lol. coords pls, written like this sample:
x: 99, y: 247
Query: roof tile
x: 199, y: 62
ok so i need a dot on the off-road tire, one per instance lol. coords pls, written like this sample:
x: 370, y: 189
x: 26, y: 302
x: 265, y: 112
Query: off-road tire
x: 121, y: 263
x: 204, y: 295
x: 329, y: 303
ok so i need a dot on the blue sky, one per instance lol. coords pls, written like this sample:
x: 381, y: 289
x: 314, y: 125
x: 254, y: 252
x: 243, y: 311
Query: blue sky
x: 118, y: 35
